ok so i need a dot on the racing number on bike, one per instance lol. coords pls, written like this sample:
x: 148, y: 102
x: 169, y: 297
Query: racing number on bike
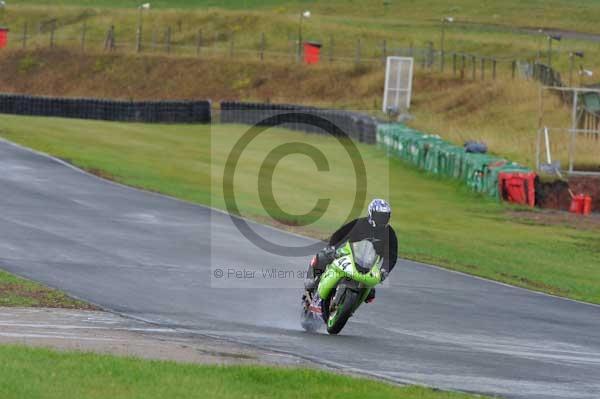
x: 345, y: 264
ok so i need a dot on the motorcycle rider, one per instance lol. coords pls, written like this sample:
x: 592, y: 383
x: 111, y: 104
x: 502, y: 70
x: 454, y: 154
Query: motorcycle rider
x: 376, y: 227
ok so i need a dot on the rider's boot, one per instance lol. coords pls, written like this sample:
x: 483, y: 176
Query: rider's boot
x: 310, y: 284
x: 317, y: 267
x: 312, y: 278
x: 371, y: 297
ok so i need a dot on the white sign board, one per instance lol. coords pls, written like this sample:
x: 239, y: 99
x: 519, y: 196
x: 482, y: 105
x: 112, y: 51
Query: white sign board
x: 398, y: 84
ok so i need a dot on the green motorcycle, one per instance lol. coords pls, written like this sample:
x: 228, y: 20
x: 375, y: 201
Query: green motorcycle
x: 343, y: 287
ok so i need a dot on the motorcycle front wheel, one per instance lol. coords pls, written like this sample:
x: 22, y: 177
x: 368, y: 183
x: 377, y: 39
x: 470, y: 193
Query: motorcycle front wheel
x: 340, y: 312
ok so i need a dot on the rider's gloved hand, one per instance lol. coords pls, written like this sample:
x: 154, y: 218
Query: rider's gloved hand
x: 384, y: 275
x: 329, y: 253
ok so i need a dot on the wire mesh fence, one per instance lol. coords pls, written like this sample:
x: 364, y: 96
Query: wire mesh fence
x: 568, y: 138
x: 208, y: 44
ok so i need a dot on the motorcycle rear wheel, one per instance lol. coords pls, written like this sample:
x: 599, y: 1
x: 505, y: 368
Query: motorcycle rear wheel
x: 309, y: 321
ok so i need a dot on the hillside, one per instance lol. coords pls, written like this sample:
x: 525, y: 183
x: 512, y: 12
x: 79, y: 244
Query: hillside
x: 505, y: 31
x: 501, y: 113
x: 564, y: 14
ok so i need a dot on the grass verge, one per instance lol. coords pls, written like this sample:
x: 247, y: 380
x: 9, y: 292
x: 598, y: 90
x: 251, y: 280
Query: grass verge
x: 438, y: 221
x: 19, y: 292
x: 29, y: 373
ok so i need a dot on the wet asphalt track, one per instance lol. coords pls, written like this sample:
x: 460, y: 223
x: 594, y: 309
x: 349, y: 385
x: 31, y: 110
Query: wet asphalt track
x: 148, y: 256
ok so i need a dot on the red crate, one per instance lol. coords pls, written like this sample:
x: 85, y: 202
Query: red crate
x: 312, y: 52
x: 517, y: 187
x: 3, y: 37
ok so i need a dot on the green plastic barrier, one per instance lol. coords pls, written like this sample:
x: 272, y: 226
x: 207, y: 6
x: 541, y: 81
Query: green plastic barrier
x: 475, y: 169
x: 429, y: 152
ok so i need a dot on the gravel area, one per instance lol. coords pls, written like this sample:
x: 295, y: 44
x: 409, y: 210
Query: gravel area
x: 101, y: 332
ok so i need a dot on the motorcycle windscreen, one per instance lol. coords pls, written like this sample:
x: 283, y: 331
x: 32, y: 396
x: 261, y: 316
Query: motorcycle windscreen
x: 364, y: 255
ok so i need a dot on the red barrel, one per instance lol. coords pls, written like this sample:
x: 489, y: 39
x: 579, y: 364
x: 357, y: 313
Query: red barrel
x: 577, y: 203
x: 312, y: 52
x: 587, y: 205
x: 3, y: 37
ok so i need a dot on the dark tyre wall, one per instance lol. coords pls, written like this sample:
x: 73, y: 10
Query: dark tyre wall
x: 357, y: 126
x: 109, y: 110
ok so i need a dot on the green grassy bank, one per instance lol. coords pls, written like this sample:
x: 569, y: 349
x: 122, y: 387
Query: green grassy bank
x: 41, y: 373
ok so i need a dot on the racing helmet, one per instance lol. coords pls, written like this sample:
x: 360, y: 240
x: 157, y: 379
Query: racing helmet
x: 379, y: 213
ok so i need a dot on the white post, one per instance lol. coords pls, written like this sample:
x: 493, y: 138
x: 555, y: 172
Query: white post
x: 398, y: 79
x: 573, y: 131
x: 387, y: 81
x: 547, y: 139
x: 538, y: 144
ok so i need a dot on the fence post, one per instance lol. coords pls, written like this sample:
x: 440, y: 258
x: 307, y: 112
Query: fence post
x: 331, y: 44
x: 357, y: 60
x: 109, y: 42
x: 463, y: 66
x: 431, y: 55
x: 482, y: 68
x: 514, y: 68
x: 473, y: 63
x: 138, y: 34
x: 199, y: 42
x: 494, y: 68
x: 113, y: 45
x: 384, y: 52
x: 262, y: 46
x: 25, y: 35
x: 168, y: 40
x: 454, y: 64
x: 83, y: 32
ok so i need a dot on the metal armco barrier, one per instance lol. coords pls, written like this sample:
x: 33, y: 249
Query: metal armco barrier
x: 109, y: 110
x: 357, y: 126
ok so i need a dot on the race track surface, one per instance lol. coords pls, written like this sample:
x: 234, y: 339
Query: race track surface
x: 149, y: 257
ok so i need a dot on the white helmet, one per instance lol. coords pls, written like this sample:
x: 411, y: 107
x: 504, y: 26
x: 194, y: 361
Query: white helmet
x: 379, y: 213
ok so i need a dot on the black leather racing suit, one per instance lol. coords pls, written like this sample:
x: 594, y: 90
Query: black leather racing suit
x: 384, y: 241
